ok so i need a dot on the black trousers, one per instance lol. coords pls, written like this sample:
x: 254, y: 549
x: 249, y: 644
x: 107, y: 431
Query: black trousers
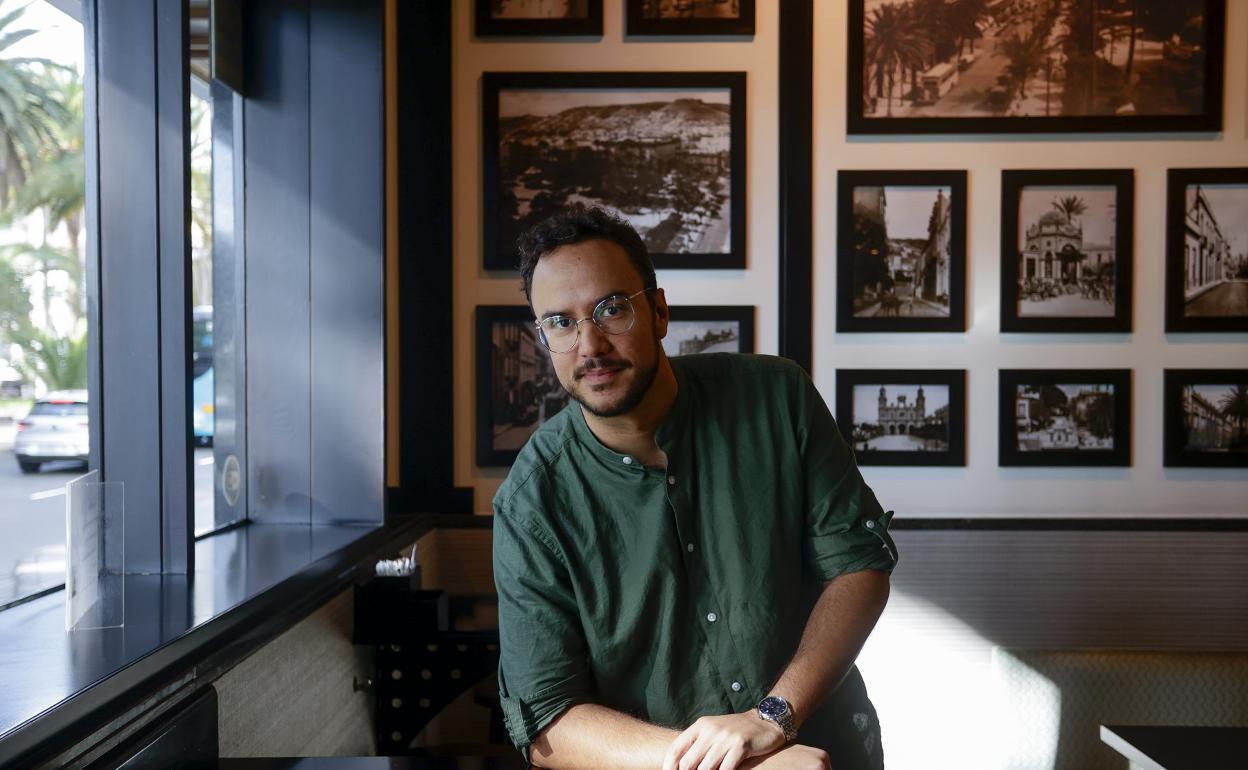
x: 847, y: 727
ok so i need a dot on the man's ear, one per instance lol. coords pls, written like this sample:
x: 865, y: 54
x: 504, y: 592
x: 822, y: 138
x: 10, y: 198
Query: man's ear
x: 662, y: 313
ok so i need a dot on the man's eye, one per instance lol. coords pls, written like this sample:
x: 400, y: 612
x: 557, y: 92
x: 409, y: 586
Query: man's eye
x: 558, y: 323
x: 612, y: 309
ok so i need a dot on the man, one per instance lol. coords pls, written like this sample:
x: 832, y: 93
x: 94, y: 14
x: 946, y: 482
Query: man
x: 687, y: 559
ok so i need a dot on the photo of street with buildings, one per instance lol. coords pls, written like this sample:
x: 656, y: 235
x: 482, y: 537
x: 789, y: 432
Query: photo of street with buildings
x: 539, y: 9
x: 901, y: 418
x: 1215, y: 418
x: 1032, y: 58
x: 1215, y: 251
x: 1066, y: 251
x: 690, y: 9
x: 659, y: 157
x: 901, y: 251
x: 524, y: 391
x: 1054, y: 417
x: 688, y: 337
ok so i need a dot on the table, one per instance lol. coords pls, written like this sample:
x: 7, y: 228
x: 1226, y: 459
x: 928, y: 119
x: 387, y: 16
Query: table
x: 1157, y: 747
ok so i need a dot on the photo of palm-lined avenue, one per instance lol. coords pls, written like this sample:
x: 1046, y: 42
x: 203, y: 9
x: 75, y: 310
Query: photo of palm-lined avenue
x: 539, y: 9
x: 901, y: 251
x: 1215, y: 418
x: 901, y: 418
x: 1064, y: 417
x: 1215, y: 251
x: 1032, y: 58
x: 1067, y: 252
x: 658, y: 157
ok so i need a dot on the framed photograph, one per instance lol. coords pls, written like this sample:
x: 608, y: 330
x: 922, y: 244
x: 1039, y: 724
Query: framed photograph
x: 690, y: 17
x: 1065, y: 417
x: 517, y: 389
x: 1207, y: 250
x: 901, y: 251
x: 903, y: 416
x: 1206, y: 418
x: 1035, y: 66
x: 538, y: 18
x: 665, y: 150
x: 1066, y: 250
x: 710, y: 329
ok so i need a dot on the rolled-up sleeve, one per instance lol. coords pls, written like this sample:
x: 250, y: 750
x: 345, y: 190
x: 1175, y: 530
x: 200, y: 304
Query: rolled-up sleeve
x: 543, y: 667
x: 846, y: 530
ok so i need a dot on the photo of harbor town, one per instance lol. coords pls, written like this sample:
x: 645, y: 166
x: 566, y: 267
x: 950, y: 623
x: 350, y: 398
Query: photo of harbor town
x: 1033, y: 58
x: 901, y: 418
x: 1215, y: 417
x: 661, y: 158
x: 539, y: 9
x: 689, y: 337
x: 1067, y: 251
x: 1215, y: 251
x: 690, y: 9
x: 1054, y: 417
x: 902, y: 250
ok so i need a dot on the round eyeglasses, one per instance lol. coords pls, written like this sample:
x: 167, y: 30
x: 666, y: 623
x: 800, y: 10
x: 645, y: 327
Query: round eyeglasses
x: 613, y: 315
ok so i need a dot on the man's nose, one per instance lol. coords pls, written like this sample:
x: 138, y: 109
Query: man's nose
x: 593, y: 341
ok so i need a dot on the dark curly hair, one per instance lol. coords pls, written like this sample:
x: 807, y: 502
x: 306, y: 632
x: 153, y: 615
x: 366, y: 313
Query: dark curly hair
x: 576, y: 224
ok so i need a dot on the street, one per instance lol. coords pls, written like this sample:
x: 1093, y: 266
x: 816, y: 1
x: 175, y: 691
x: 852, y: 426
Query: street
x: 32, y: 517
x: 1226, y: 299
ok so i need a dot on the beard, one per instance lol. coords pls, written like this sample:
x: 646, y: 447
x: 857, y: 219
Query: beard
x: 631, y: 398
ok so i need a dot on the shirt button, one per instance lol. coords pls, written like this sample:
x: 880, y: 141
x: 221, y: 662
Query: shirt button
x: 870, y: 525
x: 671, y: 481
x: 689, y: 547
x: 712, y: 617
x: 628, y: 461
x: 736, y: 687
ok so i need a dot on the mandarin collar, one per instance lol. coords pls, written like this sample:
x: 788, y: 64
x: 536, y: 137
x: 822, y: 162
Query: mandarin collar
x: 665, y: 435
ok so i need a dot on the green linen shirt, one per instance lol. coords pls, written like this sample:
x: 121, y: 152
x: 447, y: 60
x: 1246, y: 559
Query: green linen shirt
x: 674, y: 593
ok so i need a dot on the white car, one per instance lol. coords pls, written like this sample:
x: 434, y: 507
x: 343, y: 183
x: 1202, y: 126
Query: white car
x: 55, y: 429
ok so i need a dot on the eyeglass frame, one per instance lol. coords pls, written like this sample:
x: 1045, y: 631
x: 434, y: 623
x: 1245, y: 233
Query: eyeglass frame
x: 541, y: 336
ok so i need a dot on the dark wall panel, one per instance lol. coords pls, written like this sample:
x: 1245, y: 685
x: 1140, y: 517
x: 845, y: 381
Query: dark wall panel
x: 347, y: 258
x: 128, y: 271
x: 278, y: 281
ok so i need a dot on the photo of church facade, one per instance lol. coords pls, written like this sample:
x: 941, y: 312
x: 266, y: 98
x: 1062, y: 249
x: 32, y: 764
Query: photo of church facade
x: 1067, y: 252
x: 906, y: 418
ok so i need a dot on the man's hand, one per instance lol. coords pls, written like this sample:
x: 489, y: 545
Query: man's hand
x: 794, y: 757
x: 724, y: 742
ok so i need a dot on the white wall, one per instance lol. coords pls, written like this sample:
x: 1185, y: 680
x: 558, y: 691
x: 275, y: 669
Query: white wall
x: 981, y: 488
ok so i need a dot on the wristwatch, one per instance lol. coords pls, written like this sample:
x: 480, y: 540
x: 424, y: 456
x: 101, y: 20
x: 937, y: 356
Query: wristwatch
x: 773, y: 708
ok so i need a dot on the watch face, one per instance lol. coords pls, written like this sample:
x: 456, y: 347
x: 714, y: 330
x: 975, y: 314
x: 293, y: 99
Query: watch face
x: 773, y: 706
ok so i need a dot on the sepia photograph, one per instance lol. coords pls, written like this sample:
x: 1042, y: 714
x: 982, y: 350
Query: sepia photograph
x: 902, y: 417
x: 1206, y: 418
x: 690, y: 17
x: 664, y: 150
x: 1065, y: 417
x: 1207, y: 250
x: 710, y: 329
x: 1035, y: 65
x: 526, y: 18
x: 517, y: 389
x: 1068, y: 234
x: 902, y: 251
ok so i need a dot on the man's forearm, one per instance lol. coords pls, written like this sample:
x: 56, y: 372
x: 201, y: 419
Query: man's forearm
x: 837, y: 628
x: 592, y: 737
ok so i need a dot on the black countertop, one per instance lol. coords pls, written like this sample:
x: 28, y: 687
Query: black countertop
x: 1156, y: 747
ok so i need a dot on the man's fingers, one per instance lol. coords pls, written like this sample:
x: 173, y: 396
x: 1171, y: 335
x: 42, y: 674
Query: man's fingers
x: 714, y: 754
x: 733, y: 758
x: 693, y: 757
x: 678, y: 748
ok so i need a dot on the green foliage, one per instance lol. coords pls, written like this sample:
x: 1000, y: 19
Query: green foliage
x: 61, y: 362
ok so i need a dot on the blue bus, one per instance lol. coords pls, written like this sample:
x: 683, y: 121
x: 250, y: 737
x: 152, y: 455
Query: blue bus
x: 202, y: 383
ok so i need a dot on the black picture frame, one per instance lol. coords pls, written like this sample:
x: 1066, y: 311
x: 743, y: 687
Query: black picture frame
x: 954, y: 379
x: 1214, y: 427
x: 499, y: 253
x: 1178, y: 230
x: 741, y: 315
x: 486, y: 25
x: 1206, y: 118
x: 1008, y: 452
x: 638, y: 25
x: 528, y: 404
x: 849, y: 250
x: 1085, y: 291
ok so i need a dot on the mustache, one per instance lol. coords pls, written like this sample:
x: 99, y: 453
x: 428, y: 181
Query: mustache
x: 593, y: 364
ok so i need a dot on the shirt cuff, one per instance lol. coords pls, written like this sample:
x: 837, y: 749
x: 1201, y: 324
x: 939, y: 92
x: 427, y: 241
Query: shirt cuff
x: 527, y: 717
x: 866, y: 546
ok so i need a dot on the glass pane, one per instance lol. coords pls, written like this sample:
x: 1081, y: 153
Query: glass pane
x: 44, y: 429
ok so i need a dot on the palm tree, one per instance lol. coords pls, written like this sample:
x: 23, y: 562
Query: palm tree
x: 1026, y: 58
x: 964, y: 17
x: 30, y: 115
x: 1071, y: 206
x: 893, y: 44
x: 1235, y: 405
x: 61, y: 362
